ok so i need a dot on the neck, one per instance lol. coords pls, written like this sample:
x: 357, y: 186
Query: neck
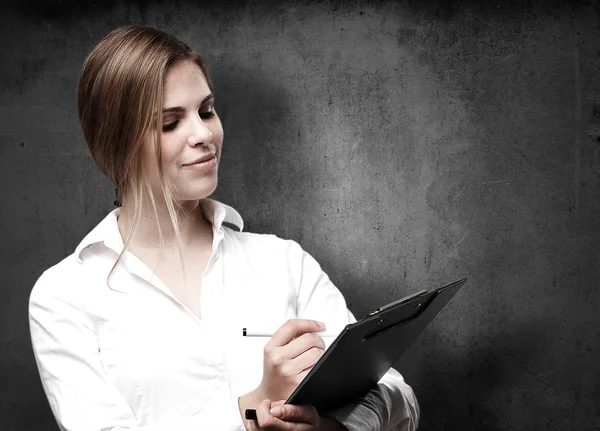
x: 193, y: 225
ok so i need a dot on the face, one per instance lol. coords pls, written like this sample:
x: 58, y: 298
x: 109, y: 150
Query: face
x: 192, y: 135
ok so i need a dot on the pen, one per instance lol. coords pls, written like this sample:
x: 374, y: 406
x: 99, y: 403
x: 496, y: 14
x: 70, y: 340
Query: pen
x: 250, y: 333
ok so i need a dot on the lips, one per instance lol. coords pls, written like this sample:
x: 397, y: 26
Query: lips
x: 202, y: 159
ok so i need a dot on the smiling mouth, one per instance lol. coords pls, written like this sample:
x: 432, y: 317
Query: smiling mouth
x: 204, y: 159
x: 207, y: 163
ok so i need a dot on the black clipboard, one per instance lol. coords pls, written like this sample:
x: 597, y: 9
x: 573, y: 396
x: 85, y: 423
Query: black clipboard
x: 364, y: 351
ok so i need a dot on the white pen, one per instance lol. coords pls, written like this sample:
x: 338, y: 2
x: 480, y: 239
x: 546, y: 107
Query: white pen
x: 250, y: 333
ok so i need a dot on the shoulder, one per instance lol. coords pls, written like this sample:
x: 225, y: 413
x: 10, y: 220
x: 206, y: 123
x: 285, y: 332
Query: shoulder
x: 273, y: 255
x: 85, y: 270
x: 58, y: 283
x: 265, y: 244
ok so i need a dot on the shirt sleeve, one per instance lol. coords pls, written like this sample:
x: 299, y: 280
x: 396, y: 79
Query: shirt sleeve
x: 392, y: 405
x: 78, y: 390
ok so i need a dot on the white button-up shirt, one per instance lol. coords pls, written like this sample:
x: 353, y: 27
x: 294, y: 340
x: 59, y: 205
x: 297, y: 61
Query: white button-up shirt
x: 128, y: 355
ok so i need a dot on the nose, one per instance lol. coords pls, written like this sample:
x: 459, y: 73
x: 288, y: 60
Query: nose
x: 199, y: 133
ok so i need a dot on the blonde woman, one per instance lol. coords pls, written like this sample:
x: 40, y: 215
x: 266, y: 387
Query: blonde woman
x: 139, y: 328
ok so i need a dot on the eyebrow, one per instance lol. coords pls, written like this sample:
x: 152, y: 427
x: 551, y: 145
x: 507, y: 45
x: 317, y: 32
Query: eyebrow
x: 181, y: 109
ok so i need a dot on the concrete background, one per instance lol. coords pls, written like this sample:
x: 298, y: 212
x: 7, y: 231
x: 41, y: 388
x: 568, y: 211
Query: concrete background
x: 405, y: 145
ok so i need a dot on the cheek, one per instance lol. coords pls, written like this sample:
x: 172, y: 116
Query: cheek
x: 217, y: 130
x: 169, y: 150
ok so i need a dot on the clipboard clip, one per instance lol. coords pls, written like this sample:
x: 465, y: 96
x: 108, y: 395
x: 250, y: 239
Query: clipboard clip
x: 422, y: 306
x: 398, y: 302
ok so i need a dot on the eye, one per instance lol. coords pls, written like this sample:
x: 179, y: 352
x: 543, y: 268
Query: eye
x: 206, y: 112
x: 169, y: 127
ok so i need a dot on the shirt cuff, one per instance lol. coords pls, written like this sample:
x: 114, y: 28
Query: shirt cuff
x: 356, y: 417
x: 381, y: 409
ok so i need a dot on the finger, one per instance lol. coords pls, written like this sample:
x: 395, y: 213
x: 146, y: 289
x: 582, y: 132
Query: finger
x: 292, y: 329
x: 301, y: 344
x: 277, y: 403
x: 304, y: 414
x: 302, y: 362
x: 268, y: 422
x: 264, y: 417
x: 302, y: 375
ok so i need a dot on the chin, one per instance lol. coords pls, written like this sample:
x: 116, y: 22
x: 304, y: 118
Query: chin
x: 200, y: 191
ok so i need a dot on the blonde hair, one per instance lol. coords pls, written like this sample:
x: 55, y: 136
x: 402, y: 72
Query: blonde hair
x: 119, y: 102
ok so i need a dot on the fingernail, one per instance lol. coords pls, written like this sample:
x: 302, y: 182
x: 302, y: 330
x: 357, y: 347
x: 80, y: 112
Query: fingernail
x: 322, y: 325
x: 276, y: 411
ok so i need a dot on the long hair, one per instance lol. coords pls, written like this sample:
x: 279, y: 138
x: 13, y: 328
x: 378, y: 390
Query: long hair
x: 119, y: 102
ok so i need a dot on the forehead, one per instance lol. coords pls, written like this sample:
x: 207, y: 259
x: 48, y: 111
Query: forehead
x: 185, y: 84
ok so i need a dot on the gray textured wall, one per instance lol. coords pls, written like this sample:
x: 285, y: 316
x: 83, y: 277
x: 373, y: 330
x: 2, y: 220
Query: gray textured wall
x: 405, y: 145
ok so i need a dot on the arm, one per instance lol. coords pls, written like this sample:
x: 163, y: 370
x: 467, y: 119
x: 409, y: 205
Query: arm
x: 390, y: 406
x: 67, y: 354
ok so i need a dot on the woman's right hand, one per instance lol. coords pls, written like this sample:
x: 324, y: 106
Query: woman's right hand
x: 278, y: 416
x: 288, y: 357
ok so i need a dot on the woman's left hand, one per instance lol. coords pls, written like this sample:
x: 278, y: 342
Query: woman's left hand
x: 287, y: 417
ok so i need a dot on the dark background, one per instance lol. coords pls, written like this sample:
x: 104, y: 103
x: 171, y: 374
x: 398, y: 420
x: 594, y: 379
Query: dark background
x: 405, y: 145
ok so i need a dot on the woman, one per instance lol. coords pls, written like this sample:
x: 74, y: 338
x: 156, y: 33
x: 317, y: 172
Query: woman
x: 140, y: 327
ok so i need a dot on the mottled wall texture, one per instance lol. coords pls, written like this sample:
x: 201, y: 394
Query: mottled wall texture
x: 405, y: 145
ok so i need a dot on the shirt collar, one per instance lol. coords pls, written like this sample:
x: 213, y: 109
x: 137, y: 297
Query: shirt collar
x: 220, y: 214
x: 107, y: 231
